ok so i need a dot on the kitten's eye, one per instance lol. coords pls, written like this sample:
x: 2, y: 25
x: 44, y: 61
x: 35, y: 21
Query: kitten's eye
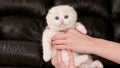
x: 66, y: 17
x: 57, y: 18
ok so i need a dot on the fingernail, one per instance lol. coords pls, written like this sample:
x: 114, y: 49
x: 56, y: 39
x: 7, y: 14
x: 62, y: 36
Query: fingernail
x: 69, y: 51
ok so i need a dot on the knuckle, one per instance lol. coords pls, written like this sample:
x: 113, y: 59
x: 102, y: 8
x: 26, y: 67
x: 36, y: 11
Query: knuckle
x: 53, y: 42
x: 56, y: 36
x: 71, y: 30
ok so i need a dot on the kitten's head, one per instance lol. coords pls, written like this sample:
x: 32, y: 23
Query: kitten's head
x: 61, y: 17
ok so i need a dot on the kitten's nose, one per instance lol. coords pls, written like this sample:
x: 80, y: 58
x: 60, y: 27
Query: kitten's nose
x: 62, y: 22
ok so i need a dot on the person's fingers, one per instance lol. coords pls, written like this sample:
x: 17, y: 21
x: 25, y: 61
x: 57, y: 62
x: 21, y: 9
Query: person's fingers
x: 59, y: 46
x: 55, y: 42
x: 71, y: 59
x: 59, y: 57
x: 54, y: 60
x: 59, y: 36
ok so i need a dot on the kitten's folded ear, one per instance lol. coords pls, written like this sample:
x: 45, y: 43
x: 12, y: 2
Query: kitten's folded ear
x: 24, y: 7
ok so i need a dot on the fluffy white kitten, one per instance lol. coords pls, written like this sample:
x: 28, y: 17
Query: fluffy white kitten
x: 60, y: 18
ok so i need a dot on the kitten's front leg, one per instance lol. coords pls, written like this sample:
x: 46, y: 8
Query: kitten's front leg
x: 80, y: 27
x: 46, y: 42
x: 96, y: 64
x: 81, y: 59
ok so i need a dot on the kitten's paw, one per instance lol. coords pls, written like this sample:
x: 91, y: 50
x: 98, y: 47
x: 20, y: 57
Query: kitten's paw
x: 96, y: 64
x: 84, y: 66
x: 81, y: 59
x: 80, y: 27
x: 46, y: 57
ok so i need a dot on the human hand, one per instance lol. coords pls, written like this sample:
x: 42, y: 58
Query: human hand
x: 73, y: 40
x: 58, y: 63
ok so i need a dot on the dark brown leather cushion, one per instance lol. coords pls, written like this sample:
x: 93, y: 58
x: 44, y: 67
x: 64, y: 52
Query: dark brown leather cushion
x: 22, y: 23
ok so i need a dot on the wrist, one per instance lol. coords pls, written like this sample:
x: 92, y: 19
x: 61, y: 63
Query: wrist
x: 95, y: 46
x: 99, y: 46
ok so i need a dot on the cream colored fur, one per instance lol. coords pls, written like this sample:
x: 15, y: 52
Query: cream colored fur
x: 55, y: 25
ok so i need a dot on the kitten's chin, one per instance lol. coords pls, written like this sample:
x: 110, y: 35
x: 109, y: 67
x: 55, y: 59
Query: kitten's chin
x: 59, y: 28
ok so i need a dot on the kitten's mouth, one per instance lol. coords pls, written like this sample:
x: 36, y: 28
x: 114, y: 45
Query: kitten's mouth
x: 62, y: 24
